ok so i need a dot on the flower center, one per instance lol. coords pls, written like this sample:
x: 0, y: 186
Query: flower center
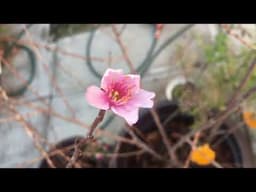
x: 115, y: 96
x: 120, y: 96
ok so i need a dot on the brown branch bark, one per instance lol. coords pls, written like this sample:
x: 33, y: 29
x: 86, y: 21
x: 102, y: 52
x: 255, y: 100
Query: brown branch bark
x: 88, y: 138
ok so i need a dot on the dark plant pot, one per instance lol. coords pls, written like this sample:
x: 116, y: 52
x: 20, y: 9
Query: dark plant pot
x: 67, y: 147
x: 234, y: 150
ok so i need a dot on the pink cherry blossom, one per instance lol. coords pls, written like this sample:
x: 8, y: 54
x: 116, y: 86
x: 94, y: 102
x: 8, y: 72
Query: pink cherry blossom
x: 121, y: 93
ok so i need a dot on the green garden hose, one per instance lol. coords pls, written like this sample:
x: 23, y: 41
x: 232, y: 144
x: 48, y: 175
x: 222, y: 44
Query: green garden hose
x: 32, y: 71
x: 32, y: 58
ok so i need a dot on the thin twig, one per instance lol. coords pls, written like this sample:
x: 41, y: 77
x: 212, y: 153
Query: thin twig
x: 100, y: 132
x: 28, y: 128
x: 216, y: 164
x: 193, y: 145
x: 88, y: 138
x: 142, y: 145
x: 164, y: 136
x: 132, y: 69
x: 123, y: 49
x: 52, y: 48
x: 218, y: 119
x: 237, y: 92
x: 112, y: 161
x: 52, y: 77
x: 227, y: 29
x: 243, y: 82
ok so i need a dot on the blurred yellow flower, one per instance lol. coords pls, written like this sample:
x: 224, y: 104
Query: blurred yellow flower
x: 249, y: 119
x: 202, y: 155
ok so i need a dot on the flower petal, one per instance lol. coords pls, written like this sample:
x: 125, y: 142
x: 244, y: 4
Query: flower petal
x: 110, y: 76
x: 96, y: 97
x: 203, y: 155
x: 134, y: 80
x: 131, y: 115
x: 142, y: 99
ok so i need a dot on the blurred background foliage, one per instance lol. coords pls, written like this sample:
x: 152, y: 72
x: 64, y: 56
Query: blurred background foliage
x: 216, y: 78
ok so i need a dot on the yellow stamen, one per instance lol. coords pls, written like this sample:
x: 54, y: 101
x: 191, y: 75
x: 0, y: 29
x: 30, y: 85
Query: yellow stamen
x: 115, y: 95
